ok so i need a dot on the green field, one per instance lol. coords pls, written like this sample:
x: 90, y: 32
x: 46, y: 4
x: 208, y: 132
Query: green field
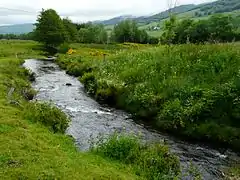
x: 31, y: 147
x: 186, y: 90
x: 183, y: 89
x: 174, y: 90
x: 181, y: 16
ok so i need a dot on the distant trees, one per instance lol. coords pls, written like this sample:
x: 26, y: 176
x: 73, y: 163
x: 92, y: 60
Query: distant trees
x: 92, y: 33
x: 128, y: 31
x: 220, y: 6
x: 218, y: 28
x: 27, y: 36
x: 52, y: 32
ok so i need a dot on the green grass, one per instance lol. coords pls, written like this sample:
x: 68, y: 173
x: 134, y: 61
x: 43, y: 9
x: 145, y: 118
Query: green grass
x: 149, y: 161
x: 28, y: 150
x: 185, y: 89
x: 32, y: 143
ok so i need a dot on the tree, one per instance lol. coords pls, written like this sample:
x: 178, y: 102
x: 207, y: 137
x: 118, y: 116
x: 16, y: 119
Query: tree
x: 183, y: 31
x: 70, y: 30
x: 50, y: 29
x: 127, y: 31
x: 221, y: 27
x: 169, y: 30
x: 90, y: 33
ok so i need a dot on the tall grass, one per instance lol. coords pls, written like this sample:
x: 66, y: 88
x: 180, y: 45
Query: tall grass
x: 149, y: 161
x: 189, y: 90
x: 48, y: 115
x: 28, y: 150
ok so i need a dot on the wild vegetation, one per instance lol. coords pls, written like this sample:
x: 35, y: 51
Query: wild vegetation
x: 190, y: 89
x: 28, y: 36
x: 184, y: 89
x: 33, y: 145
x: 149, y: 161
x: 218, y: 28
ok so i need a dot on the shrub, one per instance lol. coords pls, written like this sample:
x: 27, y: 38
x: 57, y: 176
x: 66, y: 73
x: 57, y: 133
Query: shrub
x: 151, y: 161
x: 90, y: 82
x: 48, y: 115
x: 78, y: 68
x: 63, y: 48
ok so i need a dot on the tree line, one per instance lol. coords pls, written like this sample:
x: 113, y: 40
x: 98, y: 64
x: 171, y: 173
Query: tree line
x: 27, y: 36
x: 218, y: 28
x: 52, y: 31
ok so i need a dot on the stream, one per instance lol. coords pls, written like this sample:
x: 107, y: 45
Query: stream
x: 89, y: 119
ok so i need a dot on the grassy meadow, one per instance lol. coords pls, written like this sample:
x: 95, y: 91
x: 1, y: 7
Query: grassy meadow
x: 188, y: 90
x: 32, y: 143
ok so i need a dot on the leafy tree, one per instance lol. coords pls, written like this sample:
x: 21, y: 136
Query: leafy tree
x: 183, y: 31
x: 90, y: 33
x: 215, y: 29
x: 70, y: 30
x: 50, y: 29
x: 127, y: 31
x: 169, y: 30
x: 221, y: 28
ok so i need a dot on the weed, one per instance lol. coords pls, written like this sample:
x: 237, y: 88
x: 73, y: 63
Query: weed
x: 48, y: 115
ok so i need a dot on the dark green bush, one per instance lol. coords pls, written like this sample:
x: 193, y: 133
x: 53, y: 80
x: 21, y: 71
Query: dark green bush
x: 78, y: 68
x: 151, y: 161
x: 48, y: 115
x: 90, y: 82
x: 63, y: 48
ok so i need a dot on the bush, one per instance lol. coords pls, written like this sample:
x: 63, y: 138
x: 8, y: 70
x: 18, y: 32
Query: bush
x: 90, y: 82
x: 48, y: 115
x: 63, y: 48
x: 151, y: 161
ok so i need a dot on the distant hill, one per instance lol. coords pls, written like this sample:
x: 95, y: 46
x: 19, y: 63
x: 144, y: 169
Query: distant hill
x: 16, y: 29
x: 165, y: 14
x: 115, y: 20
x: 189, y: 11
x: 150, y: 22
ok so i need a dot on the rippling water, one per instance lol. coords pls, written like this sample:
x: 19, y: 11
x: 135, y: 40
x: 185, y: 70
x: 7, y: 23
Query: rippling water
x: 89, y: 119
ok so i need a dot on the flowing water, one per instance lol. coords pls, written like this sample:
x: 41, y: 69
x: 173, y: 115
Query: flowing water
x: 89, y: 119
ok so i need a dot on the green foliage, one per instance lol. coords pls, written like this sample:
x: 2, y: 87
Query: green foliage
x: 90, y: 33
x: 27, y: 36
x: 48, y: 115
x: 189, y: 90
x: 127, y: 31
x: 169, y: 31
x: 63, y: 48
x: 50, y: 29
x: 218, y: 28
x: 70, y: 30
x: 29, y: 150
x: 149, y: 161
x: 221, y: 6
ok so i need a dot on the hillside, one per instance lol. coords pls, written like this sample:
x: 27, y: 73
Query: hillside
x: 165, y: 14
x: 16, y: 29
x: 150, y: 22
x: 115, y: 20
x: 189, y: 10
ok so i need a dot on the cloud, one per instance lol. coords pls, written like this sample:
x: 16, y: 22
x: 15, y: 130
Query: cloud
x: 26, y: 11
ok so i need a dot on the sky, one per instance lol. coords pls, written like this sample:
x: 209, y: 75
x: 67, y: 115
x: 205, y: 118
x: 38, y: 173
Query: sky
x: 26, y: 11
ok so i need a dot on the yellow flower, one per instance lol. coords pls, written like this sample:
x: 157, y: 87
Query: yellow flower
x: 70, y: 51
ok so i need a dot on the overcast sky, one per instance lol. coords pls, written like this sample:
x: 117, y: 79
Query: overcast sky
x: 25, y: 11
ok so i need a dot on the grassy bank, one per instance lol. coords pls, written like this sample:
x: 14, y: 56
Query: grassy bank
x: 32, y: 145
x: 188, y: 90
